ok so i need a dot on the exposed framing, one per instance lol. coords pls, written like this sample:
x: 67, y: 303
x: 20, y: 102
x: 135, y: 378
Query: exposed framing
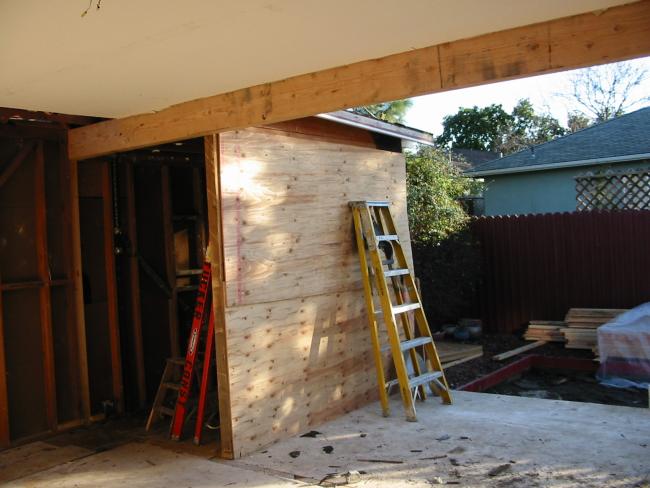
x: 617, y: 33
x: 216, y: 258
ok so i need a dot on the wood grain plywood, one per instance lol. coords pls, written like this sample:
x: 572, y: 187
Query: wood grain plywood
x: 287, y: 227
x: 299, y: 351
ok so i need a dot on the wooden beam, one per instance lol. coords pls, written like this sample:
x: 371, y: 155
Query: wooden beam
x: 72, y: 349
x: 4, y: 399
x: 170, y: 259
x: 519, y: 350
x: 47, y: 342
x: 216, y: 258
x: 77, y: 280
x: 134, y: 278
x: 16, y: 162
x: 7, y: 114
x: 614, y: 34
x: 111, y: 288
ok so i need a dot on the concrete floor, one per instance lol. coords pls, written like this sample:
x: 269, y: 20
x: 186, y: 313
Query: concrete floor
x: 536, y: 443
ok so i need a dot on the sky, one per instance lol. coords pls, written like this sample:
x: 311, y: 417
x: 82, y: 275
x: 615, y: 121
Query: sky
x: 428, y: 111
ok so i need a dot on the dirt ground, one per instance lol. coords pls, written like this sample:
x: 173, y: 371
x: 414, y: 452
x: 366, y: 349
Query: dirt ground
x: 493, y: 344
x: 576, y: 386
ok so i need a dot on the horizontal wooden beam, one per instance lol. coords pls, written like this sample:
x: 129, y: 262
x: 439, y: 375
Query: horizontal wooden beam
x: 7, y: 114
x: 587, y: 39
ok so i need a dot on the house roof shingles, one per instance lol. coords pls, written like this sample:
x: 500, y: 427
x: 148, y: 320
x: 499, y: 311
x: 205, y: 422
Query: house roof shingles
x: 614, y: 139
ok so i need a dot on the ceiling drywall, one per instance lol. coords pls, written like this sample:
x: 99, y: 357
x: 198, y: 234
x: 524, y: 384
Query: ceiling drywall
x: 135, y: 56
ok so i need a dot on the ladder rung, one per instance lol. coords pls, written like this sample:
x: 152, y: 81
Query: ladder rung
x: 405, y: 308
x: 388, y: 237
x: 396, y: 272
x: 188, y: 272
x: 377, y: 203
x: 172, y: 386
x: 425, y: 378
x: 412, y: 343
x: 166, y: 411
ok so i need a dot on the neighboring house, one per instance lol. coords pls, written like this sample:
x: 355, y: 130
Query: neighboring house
x: 543, y: 178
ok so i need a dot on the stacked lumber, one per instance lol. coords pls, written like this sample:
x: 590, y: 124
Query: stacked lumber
x: 582, y: 325
x: 590, y: 318
x: 545, y: 330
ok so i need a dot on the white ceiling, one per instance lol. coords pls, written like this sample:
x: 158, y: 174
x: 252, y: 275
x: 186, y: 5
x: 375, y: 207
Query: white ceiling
x: 134, y: 56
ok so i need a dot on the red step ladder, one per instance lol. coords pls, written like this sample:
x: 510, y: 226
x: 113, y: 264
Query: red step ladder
x: 203, y: 314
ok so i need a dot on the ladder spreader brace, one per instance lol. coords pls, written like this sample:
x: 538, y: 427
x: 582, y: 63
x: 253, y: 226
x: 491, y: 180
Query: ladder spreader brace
x: 376, y: 231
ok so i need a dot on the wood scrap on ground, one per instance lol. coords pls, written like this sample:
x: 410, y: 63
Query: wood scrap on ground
x: 519, y: 350
x: 451, y: 353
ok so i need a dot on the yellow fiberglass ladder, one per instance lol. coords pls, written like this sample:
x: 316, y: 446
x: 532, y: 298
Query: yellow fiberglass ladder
x: 376, y: 233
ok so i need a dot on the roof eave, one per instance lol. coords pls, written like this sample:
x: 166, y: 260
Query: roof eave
x: 562, y: 165
x: 379, y: 126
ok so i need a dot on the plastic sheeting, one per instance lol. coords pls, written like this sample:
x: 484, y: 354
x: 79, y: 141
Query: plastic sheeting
x: 624, y: 348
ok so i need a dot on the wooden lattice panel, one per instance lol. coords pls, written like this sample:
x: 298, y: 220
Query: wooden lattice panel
x: 614, y: 190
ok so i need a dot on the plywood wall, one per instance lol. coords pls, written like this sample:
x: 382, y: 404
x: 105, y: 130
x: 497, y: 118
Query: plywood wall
x: 298, y: 344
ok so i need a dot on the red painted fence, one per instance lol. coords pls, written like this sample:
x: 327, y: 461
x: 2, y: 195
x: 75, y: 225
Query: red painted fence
x: 539, y: 266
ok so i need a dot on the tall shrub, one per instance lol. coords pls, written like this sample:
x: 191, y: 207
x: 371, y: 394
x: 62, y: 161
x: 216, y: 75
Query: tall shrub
x: 446, y: 256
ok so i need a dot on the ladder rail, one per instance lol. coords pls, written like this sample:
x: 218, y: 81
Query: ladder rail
x: 376, y: 229
x: 372, y: 317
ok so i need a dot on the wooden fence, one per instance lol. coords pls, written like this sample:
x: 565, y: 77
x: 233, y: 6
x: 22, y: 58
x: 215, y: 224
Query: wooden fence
x: 539, y: 266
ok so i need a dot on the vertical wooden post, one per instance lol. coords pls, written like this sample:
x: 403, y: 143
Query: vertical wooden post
x: 47, y: 344
x: 77, y: 283
x: 4, y: 400
x: 134, y: 278
x: 216, y: 258
x: 111, y: 287
x: 72, y: 348
x: 170, y: 261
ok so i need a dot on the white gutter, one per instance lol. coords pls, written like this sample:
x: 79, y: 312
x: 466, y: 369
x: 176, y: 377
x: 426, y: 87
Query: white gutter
x: 372, y: 128
x: 565, y: 164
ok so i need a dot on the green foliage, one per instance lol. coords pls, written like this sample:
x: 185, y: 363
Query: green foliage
x: 434, y: 186
x: 578, y: 121
x: 393, y: 112
x: 493, y: 129
x: 446, y: 255
x: 476, y: 128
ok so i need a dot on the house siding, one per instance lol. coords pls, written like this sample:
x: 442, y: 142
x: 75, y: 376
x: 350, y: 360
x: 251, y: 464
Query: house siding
x: 540, y: 191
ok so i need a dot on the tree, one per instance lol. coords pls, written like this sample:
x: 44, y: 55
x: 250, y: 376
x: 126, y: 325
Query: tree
x: 434, y: 187
x: 393, y: 112
x: 493, y: 129
x: 528, y: 128
x: 604, y: 92
x: 475, y: 128
x: 577, y: 121
x: 445, y: 252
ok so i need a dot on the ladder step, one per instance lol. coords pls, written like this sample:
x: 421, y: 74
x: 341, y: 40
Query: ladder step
x: 405, y: 308
x: 188, y: 272
x: 413, y: 343
x: 425, y: 378
x: 396, y: 272
x: 172, y: 386
x: 388, y: 237
x: 167, y: 411
x: 410, y: 344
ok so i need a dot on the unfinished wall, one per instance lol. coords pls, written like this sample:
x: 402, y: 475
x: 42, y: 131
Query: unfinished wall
x: 299, y: 351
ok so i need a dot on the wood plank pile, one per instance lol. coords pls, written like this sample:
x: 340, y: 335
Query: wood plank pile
x: 451, y: 352
x: 545, y: 330
x: 582, y: 325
